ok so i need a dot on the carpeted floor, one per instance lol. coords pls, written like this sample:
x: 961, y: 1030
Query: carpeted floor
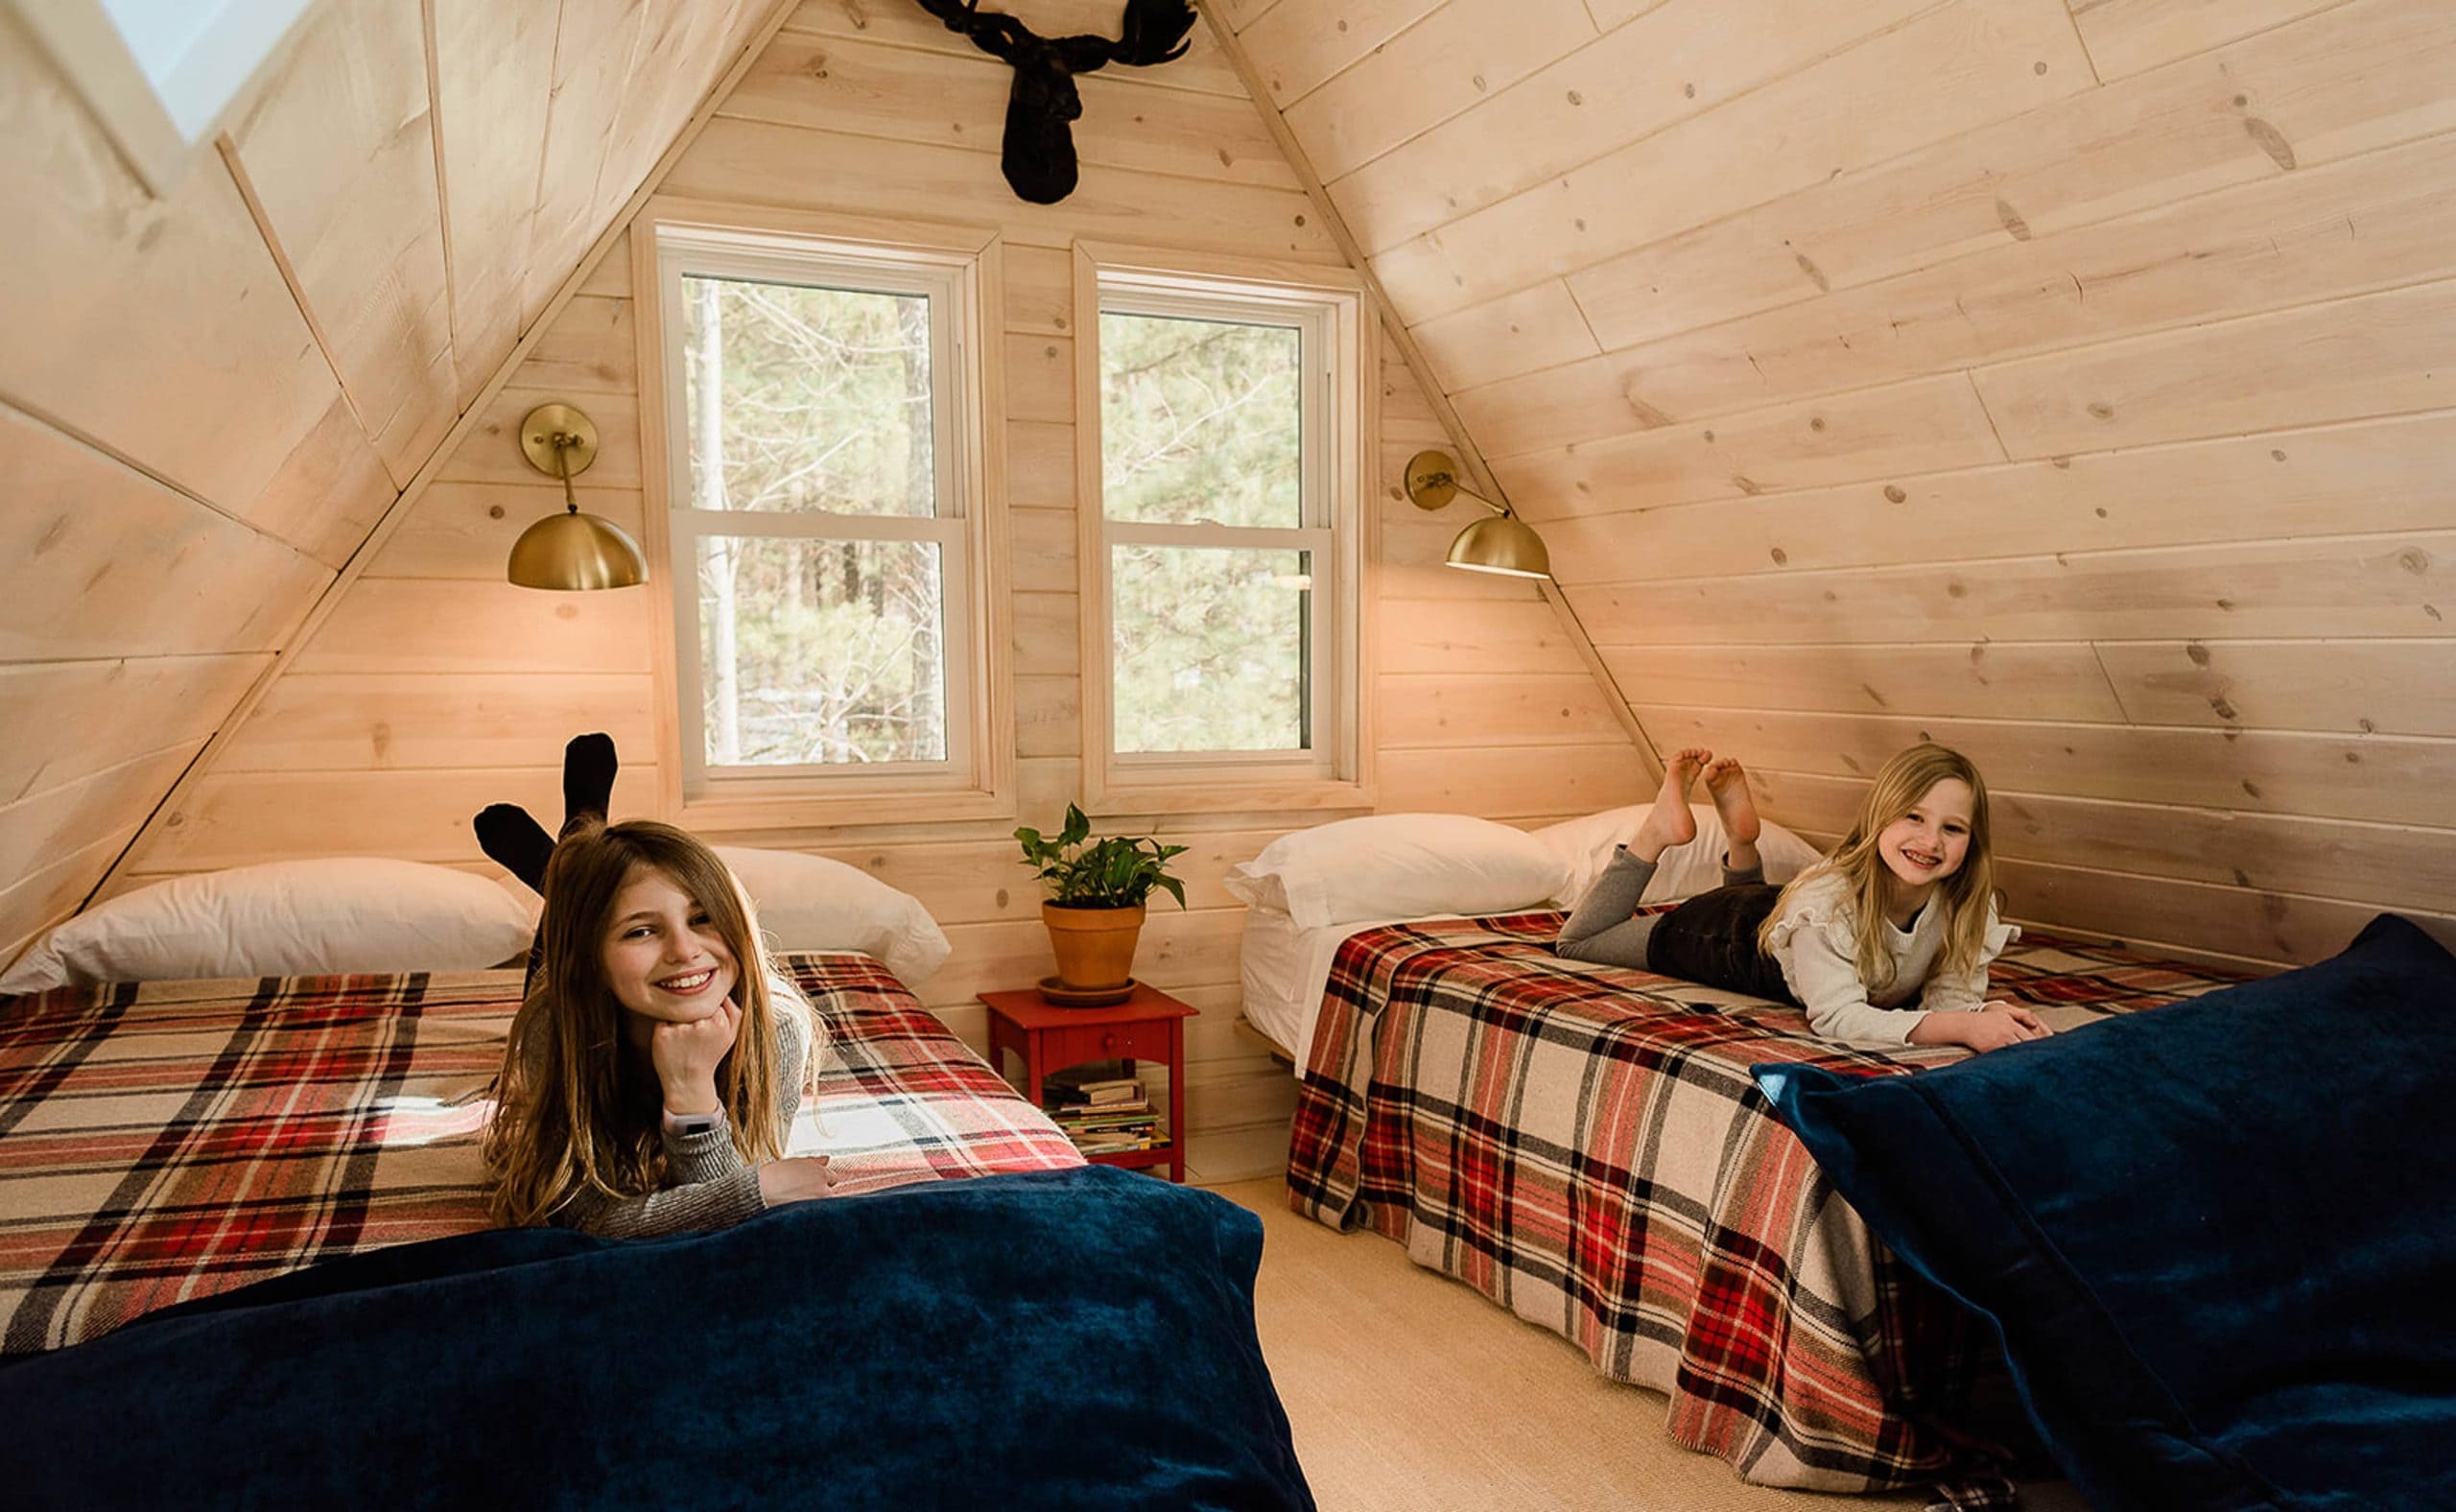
x: 1410, y: 1393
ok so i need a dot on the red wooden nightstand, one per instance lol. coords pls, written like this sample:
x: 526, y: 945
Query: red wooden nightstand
x: 1148, y: 1026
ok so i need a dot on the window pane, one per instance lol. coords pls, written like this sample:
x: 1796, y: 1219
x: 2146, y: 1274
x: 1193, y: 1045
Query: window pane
x: 816, y: 399
x: 1214, y: 649
x: 1200, y: 420
x: 817, y: 651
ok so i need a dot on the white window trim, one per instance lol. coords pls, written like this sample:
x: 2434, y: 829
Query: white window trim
x: 977, y: 780
x: 1339, y: 442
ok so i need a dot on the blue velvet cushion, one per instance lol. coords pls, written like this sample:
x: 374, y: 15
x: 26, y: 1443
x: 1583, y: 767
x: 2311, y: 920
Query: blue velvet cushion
x: 1058, y: 1339
x: 2219, y: 1239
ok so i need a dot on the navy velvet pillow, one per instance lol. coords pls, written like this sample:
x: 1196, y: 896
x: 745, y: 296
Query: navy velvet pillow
x: 1070, y: 1339
x: 2219, y: 1238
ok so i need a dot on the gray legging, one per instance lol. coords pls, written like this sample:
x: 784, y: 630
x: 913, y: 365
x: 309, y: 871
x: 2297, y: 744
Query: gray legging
x: 1600, y: 929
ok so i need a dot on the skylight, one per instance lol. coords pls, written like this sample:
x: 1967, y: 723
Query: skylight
x: 158, y: 74
x: 197, y: 52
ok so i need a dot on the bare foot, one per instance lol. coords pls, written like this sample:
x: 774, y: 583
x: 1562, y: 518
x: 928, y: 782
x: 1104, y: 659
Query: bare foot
x: 1736, y: 807
x: 1729, y: 784
x: 1669, y: 822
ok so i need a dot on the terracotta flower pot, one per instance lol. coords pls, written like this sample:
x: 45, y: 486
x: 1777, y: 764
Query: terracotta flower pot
x: 1094, y: 946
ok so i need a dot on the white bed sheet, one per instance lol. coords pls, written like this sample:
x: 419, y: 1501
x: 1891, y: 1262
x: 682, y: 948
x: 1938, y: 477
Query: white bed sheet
x: 1286, y: 967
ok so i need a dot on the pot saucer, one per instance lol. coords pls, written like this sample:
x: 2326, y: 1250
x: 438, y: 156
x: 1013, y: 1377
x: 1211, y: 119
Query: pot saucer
x: 1057, y: 994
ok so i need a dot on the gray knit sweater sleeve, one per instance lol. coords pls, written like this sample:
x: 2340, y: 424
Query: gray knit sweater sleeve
x: 708, y: 1184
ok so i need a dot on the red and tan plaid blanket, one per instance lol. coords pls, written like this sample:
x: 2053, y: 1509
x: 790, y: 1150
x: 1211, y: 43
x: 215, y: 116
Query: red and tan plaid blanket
x: 1584, y: 1145
x: 170, y: 1139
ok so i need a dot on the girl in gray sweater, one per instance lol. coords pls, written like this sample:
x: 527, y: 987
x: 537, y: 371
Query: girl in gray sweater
x: 653, y: 1071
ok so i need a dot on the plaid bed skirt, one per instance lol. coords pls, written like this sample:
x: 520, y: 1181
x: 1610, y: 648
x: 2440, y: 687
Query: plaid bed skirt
x: 1584, y: 1146
x: 166, y: 1141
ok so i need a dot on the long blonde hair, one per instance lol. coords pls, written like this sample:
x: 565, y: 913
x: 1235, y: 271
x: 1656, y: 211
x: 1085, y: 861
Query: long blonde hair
x: 577, y: 1109
x: 1968, y: 895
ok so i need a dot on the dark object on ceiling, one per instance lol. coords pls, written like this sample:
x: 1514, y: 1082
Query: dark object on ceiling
x: 1039, y: 156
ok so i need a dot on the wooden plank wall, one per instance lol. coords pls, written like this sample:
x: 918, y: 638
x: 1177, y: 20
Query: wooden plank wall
x: 208, y: 400
x: 2064, y: 379
x: 435, y: 688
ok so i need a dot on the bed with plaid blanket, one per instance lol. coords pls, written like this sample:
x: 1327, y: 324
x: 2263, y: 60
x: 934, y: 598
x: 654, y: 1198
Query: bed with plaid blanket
x: 167, y: 1141
x: 1583, y: 1145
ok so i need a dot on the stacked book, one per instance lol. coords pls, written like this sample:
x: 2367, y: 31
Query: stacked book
x: 1103, y: 1117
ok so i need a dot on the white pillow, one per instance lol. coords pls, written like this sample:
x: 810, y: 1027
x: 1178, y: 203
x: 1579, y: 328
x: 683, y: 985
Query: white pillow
x: 1398, y: 866
x: 1584, y: 848
x: 812, y: 902
x: 290, y: 918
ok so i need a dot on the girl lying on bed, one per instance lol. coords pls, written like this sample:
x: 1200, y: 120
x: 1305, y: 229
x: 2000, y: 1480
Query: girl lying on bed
x: 657, y: 1059
x: 1906, y: 903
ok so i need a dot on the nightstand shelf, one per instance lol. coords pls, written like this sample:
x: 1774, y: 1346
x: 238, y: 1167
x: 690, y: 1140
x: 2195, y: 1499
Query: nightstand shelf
x: 1148, y: 1026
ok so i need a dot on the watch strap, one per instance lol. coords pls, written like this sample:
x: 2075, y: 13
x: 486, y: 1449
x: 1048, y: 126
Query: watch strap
x: 685, y: 1124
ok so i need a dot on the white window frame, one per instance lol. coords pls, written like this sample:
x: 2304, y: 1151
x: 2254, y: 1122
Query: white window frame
x: 1327, y: 306
x: 960, y: 273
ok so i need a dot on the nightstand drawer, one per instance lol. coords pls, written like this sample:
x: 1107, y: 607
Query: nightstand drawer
x: 1145, y: 1041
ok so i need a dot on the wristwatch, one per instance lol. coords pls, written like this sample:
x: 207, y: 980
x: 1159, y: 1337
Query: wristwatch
x: 686, y: 1125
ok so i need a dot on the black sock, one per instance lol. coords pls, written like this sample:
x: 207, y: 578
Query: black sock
x: 515, y: 841
x: 588, y: 776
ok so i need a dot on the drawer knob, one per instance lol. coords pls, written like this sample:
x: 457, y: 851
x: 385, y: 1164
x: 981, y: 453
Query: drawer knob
x: 1108, y: 1041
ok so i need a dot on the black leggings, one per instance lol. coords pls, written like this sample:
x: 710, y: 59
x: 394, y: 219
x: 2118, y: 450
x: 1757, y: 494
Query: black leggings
x: 1711, y: 938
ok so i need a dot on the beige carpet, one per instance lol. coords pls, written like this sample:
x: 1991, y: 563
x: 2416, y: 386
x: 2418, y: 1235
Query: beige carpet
x: 1409, y: 1392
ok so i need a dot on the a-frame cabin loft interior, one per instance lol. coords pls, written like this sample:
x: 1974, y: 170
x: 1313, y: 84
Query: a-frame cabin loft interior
x: 1776, y: 679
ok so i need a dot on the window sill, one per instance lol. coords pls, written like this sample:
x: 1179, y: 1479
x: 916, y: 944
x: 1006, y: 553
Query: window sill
x: 723, y: 813
x: 1227, y: 792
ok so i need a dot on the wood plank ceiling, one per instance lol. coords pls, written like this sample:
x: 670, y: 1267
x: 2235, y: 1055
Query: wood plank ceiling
x: 208, y: 400
x: 2064, y: 379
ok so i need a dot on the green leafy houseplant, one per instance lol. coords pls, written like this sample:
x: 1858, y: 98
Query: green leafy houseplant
x: 1094, y: 908
x: 1117, y: 872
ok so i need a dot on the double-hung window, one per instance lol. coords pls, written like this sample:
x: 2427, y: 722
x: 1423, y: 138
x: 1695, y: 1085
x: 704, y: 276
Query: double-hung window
x: 823, y: 528
x: 1223, y: 539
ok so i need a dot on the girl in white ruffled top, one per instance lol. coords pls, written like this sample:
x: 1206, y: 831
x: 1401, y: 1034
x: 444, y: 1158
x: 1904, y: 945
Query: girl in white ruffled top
x: 1884, y: 942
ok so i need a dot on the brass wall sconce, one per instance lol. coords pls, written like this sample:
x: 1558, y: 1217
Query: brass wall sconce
x: 1503, y: 544
x: 570, y: 551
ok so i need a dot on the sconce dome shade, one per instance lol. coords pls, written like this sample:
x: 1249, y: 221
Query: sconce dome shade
x: 1502, y: 544
x: 574, y: 551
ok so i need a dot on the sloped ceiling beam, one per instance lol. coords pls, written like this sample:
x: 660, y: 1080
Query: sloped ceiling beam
x: 443, y: 449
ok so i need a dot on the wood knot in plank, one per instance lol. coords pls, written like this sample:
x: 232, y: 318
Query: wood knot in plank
x: 2271, y: 140
x: 1646, y: 414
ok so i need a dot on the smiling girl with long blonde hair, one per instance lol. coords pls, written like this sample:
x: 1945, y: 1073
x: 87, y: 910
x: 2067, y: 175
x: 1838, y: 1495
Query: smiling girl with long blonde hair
x: 1900, y: 914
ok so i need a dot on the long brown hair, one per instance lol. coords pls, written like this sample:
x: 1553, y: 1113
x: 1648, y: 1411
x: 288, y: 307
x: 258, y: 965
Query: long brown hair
x: 577, y: 1109
x: 1967, y: 895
